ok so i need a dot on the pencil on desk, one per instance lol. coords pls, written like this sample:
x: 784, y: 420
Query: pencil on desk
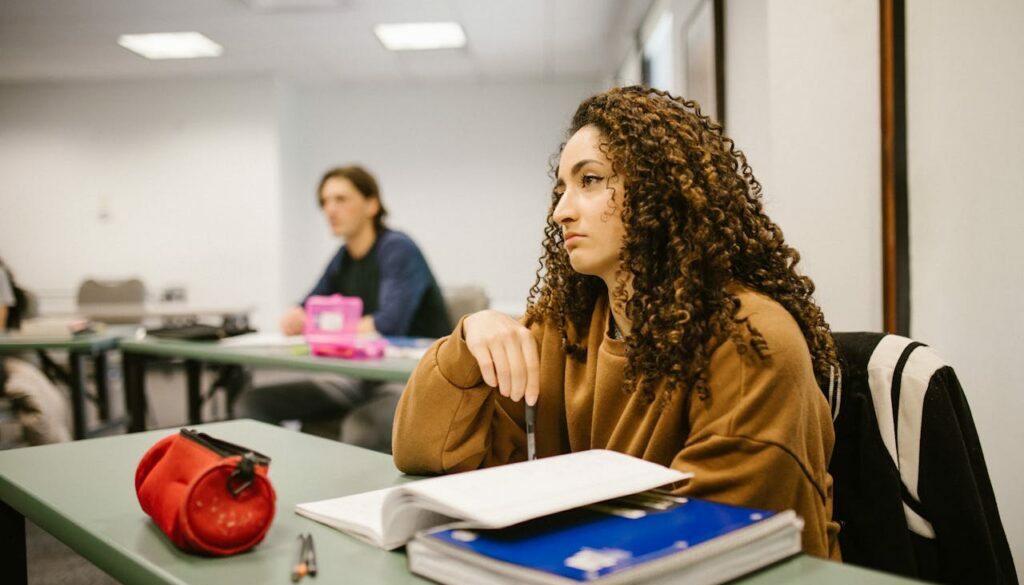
x: 531, y: 435
x: 306, y: 562
x: 300, y: 569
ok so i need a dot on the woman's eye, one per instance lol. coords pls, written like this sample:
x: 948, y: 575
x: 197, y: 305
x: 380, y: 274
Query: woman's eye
x: 589, y: 180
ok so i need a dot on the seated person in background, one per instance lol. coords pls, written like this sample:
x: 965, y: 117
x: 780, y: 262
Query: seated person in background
x: 381, y: 266
x: 39, y: 406
x: 668, y: 322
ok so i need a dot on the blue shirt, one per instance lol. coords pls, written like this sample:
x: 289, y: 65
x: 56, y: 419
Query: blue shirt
x: 395, y: 283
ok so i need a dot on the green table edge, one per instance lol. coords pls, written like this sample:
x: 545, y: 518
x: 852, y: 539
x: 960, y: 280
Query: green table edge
x: 100, y: 342
x: 105, y: 555
x: 384, y: 370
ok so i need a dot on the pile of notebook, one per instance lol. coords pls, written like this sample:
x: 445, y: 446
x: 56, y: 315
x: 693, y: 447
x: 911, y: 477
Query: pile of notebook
x: 586, y: 517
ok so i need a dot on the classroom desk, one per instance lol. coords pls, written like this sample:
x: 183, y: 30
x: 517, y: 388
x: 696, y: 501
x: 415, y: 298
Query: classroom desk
x: 83, y: 493
x: 135, y: 354
x: 79, y: 348
x: 139, y: 312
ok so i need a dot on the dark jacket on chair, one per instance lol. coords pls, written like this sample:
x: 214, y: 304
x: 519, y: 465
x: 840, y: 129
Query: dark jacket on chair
x: 912, y: 491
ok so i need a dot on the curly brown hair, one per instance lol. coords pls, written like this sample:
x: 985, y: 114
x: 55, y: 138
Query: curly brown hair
x: 695, y: 225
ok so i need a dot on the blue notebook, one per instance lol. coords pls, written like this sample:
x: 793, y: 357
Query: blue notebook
x: 614, y: 542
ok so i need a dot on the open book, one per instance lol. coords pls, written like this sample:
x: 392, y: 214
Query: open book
x: 257, y: 339
x: 54, y: 327
x: 490, y: 498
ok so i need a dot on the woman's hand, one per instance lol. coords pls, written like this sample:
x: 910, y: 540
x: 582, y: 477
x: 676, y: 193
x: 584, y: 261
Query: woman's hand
x: 293, y: 321
x: 366, y: 326
x: 506, y: 353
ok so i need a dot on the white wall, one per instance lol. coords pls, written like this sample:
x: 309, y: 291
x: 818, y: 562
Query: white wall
x: 181, y: 168
x: 965, y: 87
x: 463, y: 169
x: 802, y: 103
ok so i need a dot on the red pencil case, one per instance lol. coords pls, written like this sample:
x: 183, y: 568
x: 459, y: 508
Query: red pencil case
x: 207, y: 495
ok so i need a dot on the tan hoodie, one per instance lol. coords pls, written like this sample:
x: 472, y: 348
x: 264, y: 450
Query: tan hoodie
x: 762, y: 439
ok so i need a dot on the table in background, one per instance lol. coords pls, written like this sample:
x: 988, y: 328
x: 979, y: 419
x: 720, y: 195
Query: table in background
x: 136, y: 353
x: 83, y: 493
x: 79, y: 348
x: 140, y: 312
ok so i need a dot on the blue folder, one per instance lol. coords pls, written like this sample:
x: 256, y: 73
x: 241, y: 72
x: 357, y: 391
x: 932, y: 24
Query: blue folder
x: 588, y: 545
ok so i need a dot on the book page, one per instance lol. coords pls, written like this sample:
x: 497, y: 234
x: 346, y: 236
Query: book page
x: 505, y: 495
x: 358, y: 514
x: 362, y: 515
x: 263, y: 340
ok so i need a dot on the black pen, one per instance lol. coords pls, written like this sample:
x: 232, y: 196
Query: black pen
x: 310, y: 556
x: 531, y: 435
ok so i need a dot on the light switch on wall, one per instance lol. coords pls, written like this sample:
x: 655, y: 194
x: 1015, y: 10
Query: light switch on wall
x: 103, y: 209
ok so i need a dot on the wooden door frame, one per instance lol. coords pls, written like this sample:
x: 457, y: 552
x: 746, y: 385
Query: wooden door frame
x: 895, y: 204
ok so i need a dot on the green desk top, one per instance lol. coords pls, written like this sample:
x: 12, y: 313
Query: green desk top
x: 10, y: 342
x: 297, y: 358
x: 83, y: 493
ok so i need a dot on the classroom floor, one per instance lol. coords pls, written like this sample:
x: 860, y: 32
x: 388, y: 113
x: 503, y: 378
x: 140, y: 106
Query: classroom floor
x: 50, y: 562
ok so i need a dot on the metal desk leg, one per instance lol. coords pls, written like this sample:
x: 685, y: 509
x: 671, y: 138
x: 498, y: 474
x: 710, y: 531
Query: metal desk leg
x: 134, y: 367
x: 239, y: 380
x: 12, y: 545
x: 78, y: 386
x: 102, y: 397
x: 194, y: 373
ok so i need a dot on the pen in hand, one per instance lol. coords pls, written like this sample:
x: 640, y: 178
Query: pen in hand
x: 531, y: 435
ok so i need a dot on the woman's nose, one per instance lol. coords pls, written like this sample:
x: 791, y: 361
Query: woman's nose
x: 565, y: 211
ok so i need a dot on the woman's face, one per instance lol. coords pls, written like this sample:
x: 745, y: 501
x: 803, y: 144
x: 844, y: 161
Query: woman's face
x: 590, y: 206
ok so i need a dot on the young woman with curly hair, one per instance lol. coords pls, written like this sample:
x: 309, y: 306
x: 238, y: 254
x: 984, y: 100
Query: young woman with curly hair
x: 667, y: 321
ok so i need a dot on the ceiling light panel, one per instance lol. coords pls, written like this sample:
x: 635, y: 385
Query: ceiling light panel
x: 421, y: 36
x: 291, y: 5
x: 177, y: 45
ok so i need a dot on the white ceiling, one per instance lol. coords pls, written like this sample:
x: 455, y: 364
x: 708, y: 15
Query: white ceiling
x: 507, y: 39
